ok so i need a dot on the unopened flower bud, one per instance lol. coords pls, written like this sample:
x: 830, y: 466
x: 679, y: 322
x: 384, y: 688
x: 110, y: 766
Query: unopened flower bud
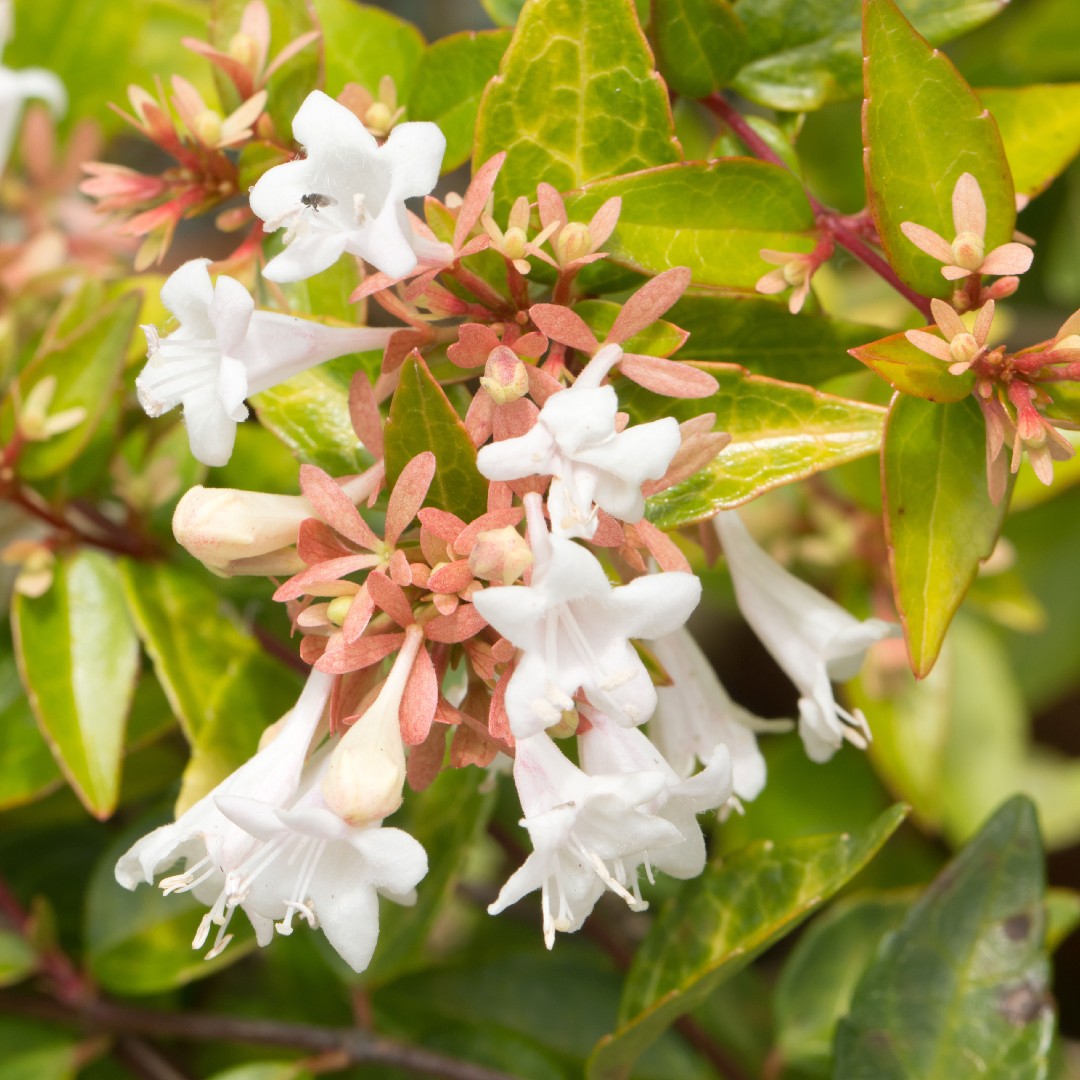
x: 796, y: 271
x: 244, y: 49
x: 241, y: 532
x: 35, y: 562
x: 505, y: 376
x: 963, y: 348
x: 338, y: 608
x: 1003, y: 287
x: 968, y: 250
x: 1070, y: 342
x: 208, y: 127
x: 379, y: 118
x: 500, y: 555
x: 513, y: 245
x: 573, y: 242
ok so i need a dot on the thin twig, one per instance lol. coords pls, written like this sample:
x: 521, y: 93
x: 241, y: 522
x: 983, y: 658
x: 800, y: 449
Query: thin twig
x: 145, y: 1060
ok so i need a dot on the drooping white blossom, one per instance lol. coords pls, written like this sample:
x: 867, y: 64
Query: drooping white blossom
x: 575, y: 442
x: 810, y: 636
x: 347, y: 193
x: 224, y: 351
x: 574, y: 629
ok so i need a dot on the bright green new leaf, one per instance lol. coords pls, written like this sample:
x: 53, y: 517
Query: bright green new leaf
x: 310, y: 414
x: 86, y: 366
x: 720, y: 921
x: 17, y: 958
x: 27, y: 769
x: 911, y: 371
x: 79, y: 656
x: 923, y: 126
x: 363, y: 43
x: 714, y: 218
x: 805, y: 53
x: 1040, y: 127
x: 422, y: 418
x: 780, y: 432
x: 576, y: 99
x: 700, y: 44
x: 939, y: 520
x: 816, y: 984
x: 452, y: 76
x: 964, y: 978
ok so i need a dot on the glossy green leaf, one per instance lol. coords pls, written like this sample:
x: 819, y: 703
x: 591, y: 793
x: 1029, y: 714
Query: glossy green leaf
x: 661, y: 338
x: 310, y: 414
x: 363, y: 43
x: 763, y: 336
x: 806, y: 53
x: 1040, y: 127
x: 503, y: 12
x: 139, y: 942
x: 17, y: 958
x: 911, y: 371
x: 576, y: 99
x: 452, y: 76
x: 27, y: 769
x: 34, y: 1051
x: 923, y: 126
x: 700, y: 44
x: 964, y: 978
x: 86, y: 364
x: 78, y: 655
x: 815, y: 987
x: 713, y: 218
x: 780, y: 432
x: 422, y: 418
x: 720, y: 921
x: 939, y: 520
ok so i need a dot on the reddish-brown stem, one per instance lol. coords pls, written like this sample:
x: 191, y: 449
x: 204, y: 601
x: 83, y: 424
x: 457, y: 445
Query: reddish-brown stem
x: 479, y: 288
x: 835, y: 224
x: 519, y: 286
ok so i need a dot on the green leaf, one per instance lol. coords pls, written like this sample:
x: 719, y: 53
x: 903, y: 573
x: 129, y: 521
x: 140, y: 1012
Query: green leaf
x: 660, y: 338
x: 310, y: 414
x: 27, y: 769
x: 17, y: 958
x: 939, y: 520
x: 86, y: 364
x: 911, y: 371
x: 923, y: 126
x: 576, y: 99
x: 1040, y: 127
x: 780, y: 432
x: 815, y: 987
x: 503, y: 12
x: 700, y: 44
x: 714, y: 218
x: 1062, y: 915
x: 806, y: 53
x: 452, y: 76
x: 964, y: 978
x: 720, y: 921
x: 422, y: 418
x: 33, y: 1051
x: 363, y: 43
x: 267, y: 1070
x: 79, y: 656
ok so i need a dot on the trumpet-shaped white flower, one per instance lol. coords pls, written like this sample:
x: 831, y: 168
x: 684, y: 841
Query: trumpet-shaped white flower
x: 695, y: 715
x: 574, y: 441
x: 224, y: 351
x: 211, y: 843
x: 589, y: 833
x: 810, y: 636
x: 348, y: 193
x: 574, y: 630
x: 609, y: 748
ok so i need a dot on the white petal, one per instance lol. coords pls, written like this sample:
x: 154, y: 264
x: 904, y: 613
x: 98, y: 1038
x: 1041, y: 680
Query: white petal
x: 415, y: 151
x: 188, y: 293
x: 307, y: 254
x: 322, y: 126
x: 530, y: 454
x: 211, y: 431
x: 230, y: 311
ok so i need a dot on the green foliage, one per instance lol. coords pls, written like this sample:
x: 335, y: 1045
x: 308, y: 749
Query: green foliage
x: 912, y: 371
x: 27, y: 769
x: 700, y: 44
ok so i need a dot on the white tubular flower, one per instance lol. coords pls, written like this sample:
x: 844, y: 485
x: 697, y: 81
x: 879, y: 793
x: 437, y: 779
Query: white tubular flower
x: 810, y: 636
x: 588, y: 835
x: 348, y: 193
x: 309, y: 863
x: 574, y: 630
x: 609, y: 748
x: 209, y: 842
x: 224, y: 351
x: 575, y: 442
x: 695, y: 715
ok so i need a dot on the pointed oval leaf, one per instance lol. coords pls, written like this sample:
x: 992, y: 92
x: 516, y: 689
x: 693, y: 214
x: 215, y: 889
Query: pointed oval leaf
x: 965, y: 977
x: 911, y: 371
x: 576, y: 99
x: 422, y: 419
x: 780, y: 432
x: 451, y: 79
x: 27, y: 769
x: 939, y: 520
x: 720, y: 921
x: 78, y: 656
x: 17, y: 958
x: 923, y: 126
x: 700, y: 44
x: 712, y: 217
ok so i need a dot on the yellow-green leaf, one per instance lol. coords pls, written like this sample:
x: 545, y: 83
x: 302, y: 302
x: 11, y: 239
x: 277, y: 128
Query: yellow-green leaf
x: 911, y: 371
x: 700, y: 44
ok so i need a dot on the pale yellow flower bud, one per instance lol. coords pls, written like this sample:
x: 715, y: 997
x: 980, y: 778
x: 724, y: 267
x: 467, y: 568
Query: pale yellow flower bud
x: 500, y: 555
